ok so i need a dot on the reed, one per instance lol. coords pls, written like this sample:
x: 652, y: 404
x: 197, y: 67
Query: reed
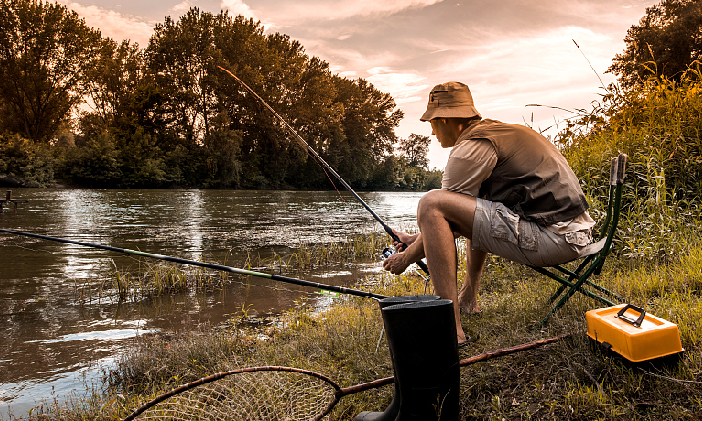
x: 150, y: 279
x: 305, y: 256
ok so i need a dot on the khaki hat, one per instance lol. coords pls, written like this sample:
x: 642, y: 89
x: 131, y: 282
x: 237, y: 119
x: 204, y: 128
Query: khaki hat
x: 450, y: 100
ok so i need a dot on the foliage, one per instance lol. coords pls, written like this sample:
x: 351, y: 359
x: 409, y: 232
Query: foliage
x: 666, y: 40
x: 415, y: 149
x: 433, y: 180
x: 95, y: 164
x: 45, y: 52
x: 658, y: 126
x: 24, y: 163
x: 167, y: 115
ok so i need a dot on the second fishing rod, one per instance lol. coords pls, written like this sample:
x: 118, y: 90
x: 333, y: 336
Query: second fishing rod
x: 328, y: 167
x: 221, y: 268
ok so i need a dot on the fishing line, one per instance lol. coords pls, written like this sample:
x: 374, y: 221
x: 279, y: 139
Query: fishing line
x: 222, y: 268
x: 320, y: 160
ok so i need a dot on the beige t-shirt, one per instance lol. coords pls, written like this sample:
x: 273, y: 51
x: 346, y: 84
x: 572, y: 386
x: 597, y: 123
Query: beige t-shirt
x: 471, y: 162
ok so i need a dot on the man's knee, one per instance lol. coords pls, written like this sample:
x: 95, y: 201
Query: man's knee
x: 431, y: 201
x: 456, y: 208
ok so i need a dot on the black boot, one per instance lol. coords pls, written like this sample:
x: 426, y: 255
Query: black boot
x: 390, y: 413
x: 422, y: 336
x: 424, y: 349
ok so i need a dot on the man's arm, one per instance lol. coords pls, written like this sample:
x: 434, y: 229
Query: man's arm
x: 405, y: 240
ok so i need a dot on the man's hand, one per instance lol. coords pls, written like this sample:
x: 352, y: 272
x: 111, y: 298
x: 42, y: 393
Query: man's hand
x: 396, y: 263
x: 405, y: 240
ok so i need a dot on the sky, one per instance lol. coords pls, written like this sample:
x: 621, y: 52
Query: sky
x: 512, y: 53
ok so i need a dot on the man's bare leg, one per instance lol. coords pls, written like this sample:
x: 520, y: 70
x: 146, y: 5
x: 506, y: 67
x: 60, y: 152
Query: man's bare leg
x: 468, y: 296
x: 440, y: 213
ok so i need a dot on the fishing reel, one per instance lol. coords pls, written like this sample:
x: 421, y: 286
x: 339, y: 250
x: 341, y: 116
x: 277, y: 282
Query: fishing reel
x: 387, y: 252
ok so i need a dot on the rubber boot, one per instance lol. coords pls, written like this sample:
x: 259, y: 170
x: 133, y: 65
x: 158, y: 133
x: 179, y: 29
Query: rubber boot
x: 390, y: 413
x: 422, y: 337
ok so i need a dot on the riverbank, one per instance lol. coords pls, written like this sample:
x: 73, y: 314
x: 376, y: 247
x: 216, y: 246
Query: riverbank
x: 565, y: 380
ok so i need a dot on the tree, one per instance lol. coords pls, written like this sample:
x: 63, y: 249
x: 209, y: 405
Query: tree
x: 182, y: 55
x: 45, y: 51
x: 665, y: 42
x: 415, y: 149
x: 368, y: 123
x: 115, y: 77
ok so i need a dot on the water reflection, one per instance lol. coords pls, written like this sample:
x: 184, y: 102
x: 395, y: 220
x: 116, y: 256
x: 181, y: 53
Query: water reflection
x: 57, y: 328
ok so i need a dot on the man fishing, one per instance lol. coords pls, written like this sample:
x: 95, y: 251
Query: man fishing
x: 506, y: 189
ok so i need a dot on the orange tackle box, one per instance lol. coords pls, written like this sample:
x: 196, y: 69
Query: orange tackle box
x: 632, y: 333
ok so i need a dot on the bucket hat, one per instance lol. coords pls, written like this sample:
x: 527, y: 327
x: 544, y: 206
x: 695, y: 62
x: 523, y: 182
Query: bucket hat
x: 450, y: 100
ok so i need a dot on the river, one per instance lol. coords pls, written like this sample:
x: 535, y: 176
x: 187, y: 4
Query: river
x: 58, y: 333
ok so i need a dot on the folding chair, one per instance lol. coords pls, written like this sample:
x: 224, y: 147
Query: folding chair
x: 577, y: 280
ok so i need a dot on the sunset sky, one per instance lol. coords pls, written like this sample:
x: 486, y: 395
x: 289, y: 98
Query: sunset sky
x: 511, y: 52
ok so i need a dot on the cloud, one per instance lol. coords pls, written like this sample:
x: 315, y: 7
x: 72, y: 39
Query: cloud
x: 182, y: 7
x: 113, y: 24
x: 401, y: 85
x: 238, y: 7
x: 325, y: 10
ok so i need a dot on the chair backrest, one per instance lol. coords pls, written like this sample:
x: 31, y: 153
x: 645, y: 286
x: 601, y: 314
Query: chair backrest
x: 616, y: 184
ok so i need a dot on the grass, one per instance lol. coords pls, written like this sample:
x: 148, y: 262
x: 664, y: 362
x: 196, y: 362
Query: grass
x: 566, y: 380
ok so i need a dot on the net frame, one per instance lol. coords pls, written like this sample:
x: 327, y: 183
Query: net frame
x: 336, y: 392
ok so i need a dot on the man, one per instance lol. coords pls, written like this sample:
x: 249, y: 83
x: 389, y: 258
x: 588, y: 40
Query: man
x: 506, y: 189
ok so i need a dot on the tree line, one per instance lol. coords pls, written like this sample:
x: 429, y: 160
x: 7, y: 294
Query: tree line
x: 93, y: 112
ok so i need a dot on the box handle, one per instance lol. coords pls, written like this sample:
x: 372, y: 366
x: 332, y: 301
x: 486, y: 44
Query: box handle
x: 635, y: 323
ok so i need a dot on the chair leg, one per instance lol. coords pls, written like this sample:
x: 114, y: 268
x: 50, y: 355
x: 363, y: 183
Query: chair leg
x: 571, y: 291
x: 557, y: 294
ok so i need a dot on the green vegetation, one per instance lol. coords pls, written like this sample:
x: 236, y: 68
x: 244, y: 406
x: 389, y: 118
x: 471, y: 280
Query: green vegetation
x: 566, y: 380
x: 167, y: 116
x: 665, y: 42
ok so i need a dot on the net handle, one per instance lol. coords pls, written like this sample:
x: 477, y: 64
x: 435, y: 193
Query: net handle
x: 339, y: 391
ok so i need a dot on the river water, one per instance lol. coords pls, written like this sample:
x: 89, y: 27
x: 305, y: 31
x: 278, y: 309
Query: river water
x: 57, y: 333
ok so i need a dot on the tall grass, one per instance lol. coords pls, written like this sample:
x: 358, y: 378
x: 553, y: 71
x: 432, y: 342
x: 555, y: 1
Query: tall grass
x: 153, y: 278
x: 658, y: 127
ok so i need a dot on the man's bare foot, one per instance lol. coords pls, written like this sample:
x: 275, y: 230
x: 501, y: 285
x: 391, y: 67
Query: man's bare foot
x: 470, y: 310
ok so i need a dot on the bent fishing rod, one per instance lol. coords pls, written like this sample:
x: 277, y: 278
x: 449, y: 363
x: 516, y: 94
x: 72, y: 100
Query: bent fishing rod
x: 319, y: 159
x: 221, y: 268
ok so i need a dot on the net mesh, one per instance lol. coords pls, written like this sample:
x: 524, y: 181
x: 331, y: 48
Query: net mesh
x: 271, y: 393
x: 259, y: 395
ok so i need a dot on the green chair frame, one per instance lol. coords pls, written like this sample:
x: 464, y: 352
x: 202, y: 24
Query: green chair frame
x: 577, y: 280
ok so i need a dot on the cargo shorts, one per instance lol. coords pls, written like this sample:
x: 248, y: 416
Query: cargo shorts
x: 498, y: 230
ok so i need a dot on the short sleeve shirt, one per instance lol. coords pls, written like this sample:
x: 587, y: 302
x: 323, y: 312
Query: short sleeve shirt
x: 470, y: 163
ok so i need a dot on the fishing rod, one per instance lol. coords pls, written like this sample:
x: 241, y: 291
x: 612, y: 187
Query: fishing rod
x: 221, y: 268
x: 319, y: 159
